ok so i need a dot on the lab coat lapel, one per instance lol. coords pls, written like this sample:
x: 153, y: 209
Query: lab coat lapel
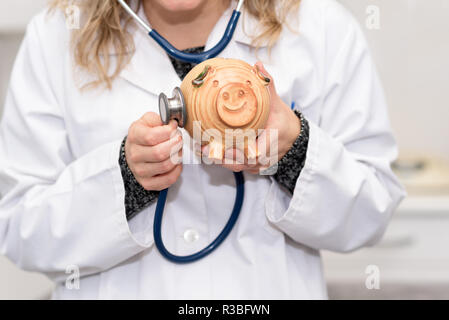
x: 246, y: 29
x: 150, y: 68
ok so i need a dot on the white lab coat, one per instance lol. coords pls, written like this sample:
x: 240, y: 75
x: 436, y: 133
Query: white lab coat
x: 63, y: 196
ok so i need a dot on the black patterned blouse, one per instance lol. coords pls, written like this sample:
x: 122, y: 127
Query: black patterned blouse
x: 287, y: 173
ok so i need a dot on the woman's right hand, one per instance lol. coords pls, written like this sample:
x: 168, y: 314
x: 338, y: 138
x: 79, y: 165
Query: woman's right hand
x: 154, y: 152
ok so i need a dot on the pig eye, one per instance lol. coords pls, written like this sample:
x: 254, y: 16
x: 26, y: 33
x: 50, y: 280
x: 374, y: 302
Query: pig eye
x: 225, y: 95
x: 216, y: 83
x: 241, y: 93
x: 199, y: 80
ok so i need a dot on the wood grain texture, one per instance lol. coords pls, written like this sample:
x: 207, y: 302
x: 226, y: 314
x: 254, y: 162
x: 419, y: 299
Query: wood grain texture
x: 223, y: 94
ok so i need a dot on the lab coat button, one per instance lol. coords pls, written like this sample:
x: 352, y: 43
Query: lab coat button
x: 191, y: 235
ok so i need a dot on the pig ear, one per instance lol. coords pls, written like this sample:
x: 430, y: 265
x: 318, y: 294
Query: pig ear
x: 265, y: 80
x: 199, y: 80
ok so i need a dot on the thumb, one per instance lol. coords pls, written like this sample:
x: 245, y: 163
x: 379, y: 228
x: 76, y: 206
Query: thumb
x: 263, y: 72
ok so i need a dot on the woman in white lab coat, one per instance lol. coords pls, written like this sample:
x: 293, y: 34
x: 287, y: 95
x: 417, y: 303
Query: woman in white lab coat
x: 65, y: 198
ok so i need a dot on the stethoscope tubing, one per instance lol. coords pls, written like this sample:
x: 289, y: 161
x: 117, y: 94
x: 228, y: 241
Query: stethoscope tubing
x: 239, y: 178
x: 157, y: 226
x: 183, y: 56
x: 198, y: 57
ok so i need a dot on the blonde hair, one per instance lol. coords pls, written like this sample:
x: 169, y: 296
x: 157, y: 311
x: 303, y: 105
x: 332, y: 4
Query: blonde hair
x: 106, y: 26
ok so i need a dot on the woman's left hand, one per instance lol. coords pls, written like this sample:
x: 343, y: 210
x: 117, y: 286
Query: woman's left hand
x: 280, y: 118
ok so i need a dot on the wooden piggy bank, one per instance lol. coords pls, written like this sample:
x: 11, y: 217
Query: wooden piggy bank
x: 227, y: 101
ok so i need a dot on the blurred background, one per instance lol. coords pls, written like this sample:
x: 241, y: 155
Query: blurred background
x: 410, y: 43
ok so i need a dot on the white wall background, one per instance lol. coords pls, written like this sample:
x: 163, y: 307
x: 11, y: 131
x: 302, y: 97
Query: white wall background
x: 411, y: 49
x: 14, y: 15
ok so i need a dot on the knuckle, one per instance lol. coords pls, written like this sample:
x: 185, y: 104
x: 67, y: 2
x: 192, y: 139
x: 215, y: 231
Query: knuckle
x: 150, y: 139
x: 131, y: 133
x: 148, y: 115
x: 152, y: 118
x: 140, y: 171
x: 157, y: 156
x: 160, y: 154
x: 133, y: 125
x: 166, y: 165
x: 132, y: 156
x: 154, y: 115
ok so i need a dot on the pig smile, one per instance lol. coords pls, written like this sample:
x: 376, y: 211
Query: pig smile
x: 235, y: 107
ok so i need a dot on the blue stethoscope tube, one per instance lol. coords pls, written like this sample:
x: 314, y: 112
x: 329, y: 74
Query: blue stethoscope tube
x: 198, y: 57
x: 239, y: 178
x: 157, y: 226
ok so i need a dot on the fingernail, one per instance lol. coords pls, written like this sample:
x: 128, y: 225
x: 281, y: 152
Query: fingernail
x: 262, y: 75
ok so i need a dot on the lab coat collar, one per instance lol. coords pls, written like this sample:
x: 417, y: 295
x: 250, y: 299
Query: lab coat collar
x: 150, y: 68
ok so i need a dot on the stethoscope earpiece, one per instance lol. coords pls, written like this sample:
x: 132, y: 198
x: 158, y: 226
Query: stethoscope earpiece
x: 173, y: 108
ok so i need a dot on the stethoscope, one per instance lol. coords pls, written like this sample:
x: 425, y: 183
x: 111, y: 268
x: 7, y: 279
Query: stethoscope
x: 174, y: 108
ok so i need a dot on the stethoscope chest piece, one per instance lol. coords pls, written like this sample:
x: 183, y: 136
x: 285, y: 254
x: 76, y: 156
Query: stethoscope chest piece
x: 173, y: 108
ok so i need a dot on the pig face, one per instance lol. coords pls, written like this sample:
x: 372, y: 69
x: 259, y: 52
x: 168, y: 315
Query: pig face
x: 236, y: 104
x: 234, y: 98
x: 222, y: 94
